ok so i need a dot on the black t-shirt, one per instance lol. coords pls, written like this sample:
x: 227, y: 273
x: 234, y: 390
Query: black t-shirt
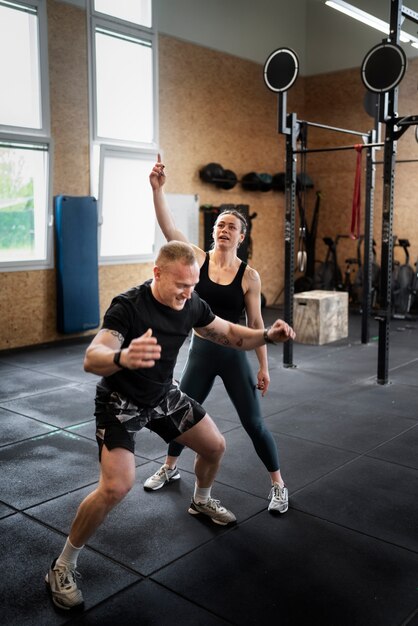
x: 131, y: 314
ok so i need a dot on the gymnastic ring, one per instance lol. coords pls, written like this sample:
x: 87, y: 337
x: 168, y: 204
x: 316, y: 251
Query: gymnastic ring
x: 301, y: 260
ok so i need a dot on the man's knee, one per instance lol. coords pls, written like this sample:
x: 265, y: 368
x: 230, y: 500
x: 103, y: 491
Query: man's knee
x: 221, y: 445
x: 214, y: 447
x: 205, y: 439
x: 114, y: 491
x: 117, y: 474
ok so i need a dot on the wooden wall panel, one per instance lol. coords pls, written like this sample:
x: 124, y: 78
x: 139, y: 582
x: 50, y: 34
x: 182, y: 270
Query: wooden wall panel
x: 68, y: 76
x: 216, y: 108
x: 28, y: 299
x: 337, y: 99
x: 114, y: 279
x: 26, y: 305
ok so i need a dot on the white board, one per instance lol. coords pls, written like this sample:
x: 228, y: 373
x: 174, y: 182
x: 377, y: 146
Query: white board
x: 185, y: 210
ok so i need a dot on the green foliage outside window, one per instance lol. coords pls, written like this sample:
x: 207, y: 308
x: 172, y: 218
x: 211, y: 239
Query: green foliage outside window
x: 16, y: 203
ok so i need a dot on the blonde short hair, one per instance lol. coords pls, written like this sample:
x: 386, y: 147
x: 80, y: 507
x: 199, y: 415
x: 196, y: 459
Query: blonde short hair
x: 176, y: 251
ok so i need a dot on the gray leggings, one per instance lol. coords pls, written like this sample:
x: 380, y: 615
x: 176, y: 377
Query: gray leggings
x: 206, y: 360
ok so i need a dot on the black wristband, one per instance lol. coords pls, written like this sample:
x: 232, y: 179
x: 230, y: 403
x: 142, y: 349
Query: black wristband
x: 116, y: 359
x: 266, y: 337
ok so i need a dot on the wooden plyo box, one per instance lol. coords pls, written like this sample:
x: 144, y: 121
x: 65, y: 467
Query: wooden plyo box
x: 320, y: 316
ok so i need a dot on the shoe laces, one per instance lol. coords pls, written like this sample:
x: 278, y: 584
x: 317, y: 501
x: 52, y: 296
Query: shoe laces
x: 67, y: 577
x: 215, y: 505
x: 277, y: 492
x: 163, y: 471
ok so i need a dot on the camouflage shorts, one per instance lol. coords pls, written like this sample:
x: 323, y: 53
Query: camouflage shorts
x: 118, y: 420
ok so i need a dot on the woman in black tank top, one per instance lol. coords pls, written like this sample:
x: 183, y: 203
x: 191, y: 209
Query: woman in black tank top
x: 230, y: 287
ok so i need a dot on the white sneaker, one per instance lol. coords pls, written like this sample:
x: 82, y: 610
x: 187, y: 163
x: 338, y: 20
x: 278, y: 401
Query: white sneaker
x: 63, y: 587
x: 213, y: 509
x: 279, y: 498
x: 161, y: 477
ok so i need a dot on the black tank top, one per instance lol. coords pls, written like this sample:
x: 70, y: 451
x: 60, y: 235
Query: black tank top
x: 226, y: 301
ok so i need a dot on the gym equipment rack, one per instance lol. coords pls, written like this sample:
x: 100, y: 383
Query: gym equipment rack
x: 280, y: 73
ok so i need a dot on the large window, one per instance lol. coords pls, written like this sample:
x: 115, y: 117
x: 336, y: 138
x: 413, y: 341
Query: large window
x: 25, y: 204
x: 128, y: 220
x: 123, y: 125
x: 136, y: 12
x: 124, y: 88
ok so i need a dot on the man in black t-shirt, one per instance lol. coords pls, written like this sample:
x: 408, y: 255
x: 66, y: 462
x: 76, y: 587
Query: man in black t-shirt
x: 135, y: 353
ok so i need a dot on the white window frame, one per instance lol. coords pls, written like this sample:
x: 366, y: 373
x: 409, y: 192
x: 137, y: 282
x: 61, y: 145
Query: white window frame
x: 35, y: 264
x: 127, y: 32
x: 44, y: 131
x: 37, y: 137
x: 129, y: 148
x: 132, y: 153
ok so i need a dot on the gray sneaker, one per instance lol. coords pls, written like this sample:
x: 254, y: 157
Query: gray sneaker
x: 279, y: 499
x: 62, y: 584
x: 213, y: 509
x: 161, y: 477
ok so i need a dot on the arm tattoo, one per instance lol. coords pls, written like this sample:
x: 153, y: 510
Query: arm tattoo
x: 114, y: 333
x: 214, y: 336
x: 218, y: 337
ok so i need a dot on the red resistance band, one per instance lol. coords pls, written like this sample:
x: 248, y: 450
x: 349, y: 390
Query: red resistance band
x: 355, y: 213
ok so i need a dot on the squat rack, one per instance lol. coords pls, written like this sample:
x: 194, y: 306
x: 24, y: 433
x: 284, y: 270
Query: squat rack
x: 280, y: 72
x: 395, y: 127
x: 291, y: 131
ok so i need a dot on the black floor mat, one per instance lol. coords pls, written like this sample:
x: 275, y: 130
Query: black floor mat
x: 345, y: 553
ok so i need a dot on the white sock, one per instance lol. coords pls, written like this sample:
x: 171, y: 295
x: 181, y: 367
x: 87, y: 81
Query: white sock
x: 201, y: 494
x: 69, y: 555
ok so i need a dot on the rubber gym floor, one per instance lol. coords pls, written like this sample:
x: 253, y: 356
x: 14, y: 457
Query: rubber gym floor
x: 346, y: 552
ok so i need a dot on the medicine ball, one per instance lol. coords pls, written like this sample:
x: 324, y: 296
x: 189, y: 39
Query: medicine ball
x: 279, y: 181
x: 304, y: 181
x: 250, y: 182
x: 265, y: 182
x: 212, y: 172
x: 230, y: 180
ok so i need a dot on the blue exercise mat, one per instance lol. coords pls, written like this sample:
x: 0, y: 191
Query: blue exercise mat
x: 76, y: 221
